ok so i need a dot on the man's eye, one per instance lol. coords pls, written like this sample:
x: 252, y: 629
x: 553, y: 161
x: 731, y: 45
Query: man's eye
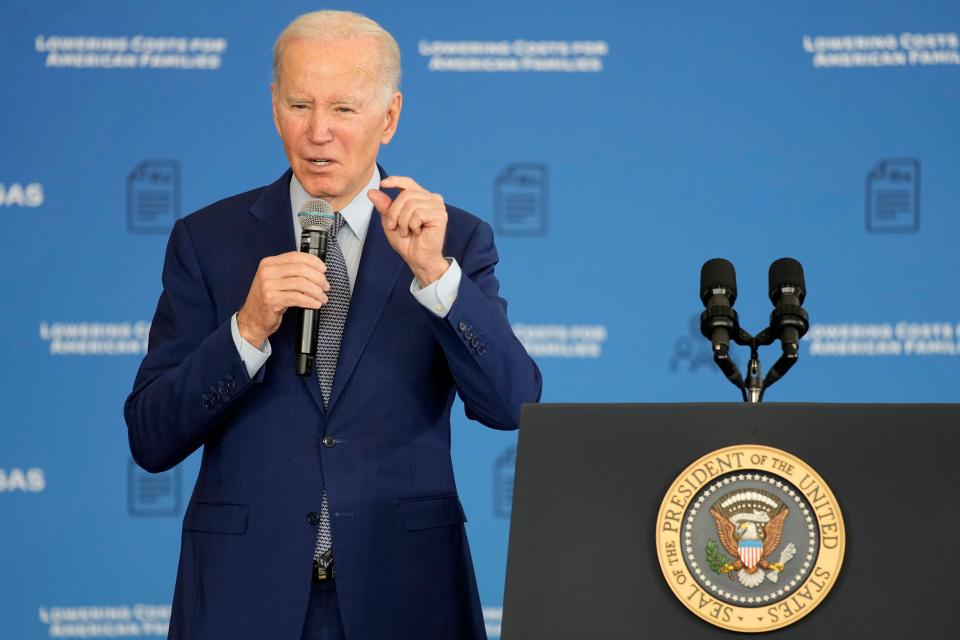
x: 298, y: 107
x: 344, y: 110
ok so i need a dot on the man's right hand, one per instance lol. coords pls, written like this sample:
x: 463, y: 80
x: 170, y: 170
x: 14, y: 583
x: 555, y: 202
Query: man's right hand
x: 293, y: 279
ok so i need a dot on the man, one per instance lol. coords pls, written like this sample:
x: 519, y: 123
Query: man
x: 326, y: 505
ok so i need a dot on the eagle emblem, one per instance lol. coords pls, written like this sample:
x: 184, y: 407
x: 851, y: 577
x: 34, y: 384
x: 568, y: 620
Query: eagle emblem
x: 750, y: 527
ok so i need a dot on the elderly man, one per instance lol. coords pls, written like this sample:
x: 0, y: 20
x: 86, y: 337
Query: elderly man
x: 326, y: 505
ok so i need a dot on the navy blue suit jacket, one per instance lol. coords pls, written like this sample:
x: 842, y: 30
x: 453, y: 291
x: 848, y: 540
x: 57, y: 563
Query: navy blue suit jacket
x: 402, y: 560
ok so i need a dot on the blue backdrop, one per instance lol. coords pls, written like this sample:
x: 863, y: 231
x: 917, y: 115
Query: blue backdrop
x: 615, y: 146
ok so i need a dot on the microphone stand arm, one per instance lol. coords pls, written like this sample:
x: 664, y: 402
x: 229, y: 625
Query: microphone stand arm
x: 786, y: 360
x: 754, y: 386
x: 721, y: 356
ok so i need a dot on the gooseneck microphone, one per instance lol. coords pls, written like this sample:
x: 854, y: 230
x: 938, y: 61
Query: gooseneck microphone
x: 718, y: 291
x: 316, y: 218
x: 788, y: 320
x: 719, y: 322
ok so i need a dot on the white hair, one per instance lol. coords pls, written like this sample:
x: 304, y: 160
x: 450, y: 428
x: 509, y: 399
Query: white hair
x: 337, y: 26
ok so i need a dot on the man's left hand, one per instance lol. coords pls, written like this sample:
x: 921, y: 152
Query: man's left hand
x: 415, y: 224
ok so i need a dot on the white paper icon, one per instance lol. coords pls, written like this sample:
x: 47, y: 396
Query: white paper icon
x: 153, y: 196
x: 152, y: 494
x: 893, y: 196
x: 520, y: 200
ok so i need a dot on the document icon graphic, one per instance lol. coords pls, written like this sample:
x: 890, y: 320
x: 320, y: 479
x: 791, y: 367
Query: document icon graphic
x: 503, y: 473
x: 153, y: 196
x: 893, y: 196
x: 520, y: 200
x: 152, y: 494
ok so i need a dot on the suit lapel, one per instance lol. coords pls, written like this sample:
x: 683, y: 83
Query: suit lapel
x: 379, y: 268
x: 272, y: 235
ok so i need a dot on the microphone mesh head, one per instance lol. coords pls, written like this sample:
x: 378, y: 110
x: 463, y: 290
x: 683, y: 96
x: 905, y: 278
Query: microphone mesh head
x: 316, y: 215
x: 717, y: 274
x: 786, y: 272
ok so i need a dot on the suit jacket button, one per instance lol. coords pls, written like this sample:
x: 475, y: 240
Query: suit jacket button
x: 462, y: 326
x: 313, y: 518
x: 482, y: 349
x: 475, y: 342
x: 222, y: 388
x: 468, y: 334
x: 230, y: 383
x: 329, y: 441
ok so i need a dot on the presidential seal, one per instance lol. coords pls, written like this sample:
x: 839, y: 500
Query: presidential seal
x: 750, y: 538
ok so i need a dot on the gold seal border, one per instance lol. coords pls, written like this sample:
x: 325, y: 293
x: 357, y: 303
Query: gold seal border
x: 807, y: 596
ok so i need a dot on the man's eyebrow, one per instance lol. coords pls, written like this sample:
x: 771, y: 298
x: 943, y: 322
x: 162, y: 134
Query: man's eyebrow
x: 350, y: 100
x: 334, y: 100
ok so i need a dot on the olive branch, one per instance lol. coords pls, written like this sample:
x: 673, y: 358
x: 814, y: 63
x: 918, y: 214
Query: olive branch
x: 718, y: 562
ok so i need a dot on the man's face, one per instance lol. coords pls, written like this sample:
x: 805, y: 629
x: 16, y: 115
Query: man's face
x: 330, y: 115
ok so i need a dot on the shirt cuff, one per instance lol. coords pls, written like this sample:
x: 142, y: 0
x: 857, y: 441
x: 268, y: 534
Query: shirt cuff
x: 439, y: 295
x: 252, y: 357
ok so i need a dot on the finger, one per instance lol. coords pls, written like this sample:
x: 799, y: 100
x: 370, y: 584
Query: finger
x: 406, y: 198
x: 403, y: 220
x: 411, y: 219
x: 416, y: 223
x: 400, y: 182
x: 380, y: 200
x: 296, y: 257
x: 303, y: 286
x: 280, y: 301
x: 296, y: 299
x: 404, y: 206
x: 280, y: 272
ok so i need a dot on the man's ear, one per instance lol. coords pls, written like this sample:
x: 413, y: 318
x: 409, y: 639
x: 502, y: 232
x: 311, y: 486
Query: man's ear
x: 392, y: 118
x: 274, y: 98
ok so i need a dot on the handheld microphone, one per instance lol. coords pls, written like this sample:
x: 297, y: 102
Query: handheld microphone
x: 788, y: 320
x: 316, y: 218
x: 718, y: 291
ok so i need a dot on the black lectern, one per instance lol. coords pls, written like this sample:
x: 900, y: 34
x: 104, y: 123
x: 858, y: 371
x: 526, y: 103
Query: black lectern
x: 590, y: 481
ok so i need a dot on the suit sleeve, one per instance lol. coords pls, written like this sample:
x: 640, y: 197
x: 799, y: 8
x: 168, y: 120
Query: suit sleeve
x: 192, y: 373
x: 493, y: 372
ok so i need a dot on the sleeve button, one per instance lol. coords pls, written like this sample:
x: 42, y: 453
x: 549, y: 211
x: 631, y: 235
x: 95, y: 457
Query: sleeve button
x: 329, y: 441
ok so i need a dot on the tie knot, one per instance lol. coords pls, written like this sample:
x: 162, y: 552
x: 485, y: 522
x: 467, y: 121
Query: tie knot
x: 337, y: 223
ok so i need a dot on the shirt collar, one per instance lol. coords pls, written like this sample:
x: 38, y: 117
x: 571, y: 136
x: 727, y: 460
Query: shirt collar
x: 356, y: 214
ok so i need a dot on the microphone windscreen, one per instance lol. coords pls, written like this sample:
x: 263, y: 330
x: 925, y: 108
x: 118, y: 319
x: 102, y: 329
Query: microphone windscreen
x: 786, y: 272
x: 717, y: 274
x: 316, y: 215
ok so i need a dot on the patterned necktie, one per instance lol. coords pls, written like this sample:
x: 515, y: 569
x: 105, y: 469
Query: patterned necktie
x: 333, y: 315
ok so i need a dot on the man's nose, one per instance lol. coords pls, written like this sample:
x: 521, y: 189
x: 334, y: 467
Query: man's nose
x: 320, y: 130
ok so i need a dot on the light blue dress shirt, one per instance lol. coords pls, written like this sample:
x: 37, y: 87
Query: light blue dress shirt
x: 438, y: 296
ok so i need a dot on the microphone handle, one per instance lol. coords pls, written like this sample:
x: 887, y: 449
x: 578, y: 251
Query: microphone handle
x: 720, y: 338
x: 788, y: 329
x: 721, y: 325
x: 789, y: 335
x: 313, y: 242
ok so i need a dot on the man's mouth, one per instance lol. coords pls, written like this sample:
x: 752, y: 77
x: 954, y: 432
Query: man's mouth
x: 320, y: 162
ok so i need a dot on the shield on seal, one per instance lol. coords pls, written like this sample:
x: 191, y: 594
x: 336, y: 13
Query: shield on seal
x: 750, y: 552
